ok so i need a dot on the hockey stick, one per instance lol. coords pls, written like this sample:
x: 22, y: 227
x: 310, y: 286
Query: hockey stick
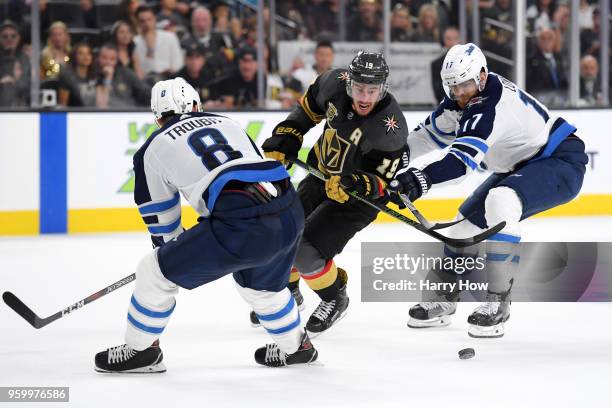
x: 456, y: 242
x: 37, y: 322
x: 427, y: 224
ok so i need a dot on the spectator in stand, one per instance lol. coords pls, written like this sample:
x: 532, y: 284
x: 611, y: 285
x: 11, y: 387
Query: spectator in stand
x: 224, y: 22
x: 118, y: 87
x: 590, y: 39
x: 401, y: 23
x: 321, y: 19
x: 218, y: 47
x: 546, y: 72
x: 561, y: 20
x: 367, y: 24
x: 57, y: 52
x: 158, y: 51
x: 170, y: 19
x: 585, y: 15
x: 239, y: 90
x: 77, y: 82
x: 123, y: 38
x: 590, y: 86
x: 127, y: 13
x: 88, y: 11
x: 14, y: 68
x: 196, y: 73
x: 540, y: 15
x: 324, y: 59
x: 451, y: 37
x: 427, y: 30
x: 496, y: 39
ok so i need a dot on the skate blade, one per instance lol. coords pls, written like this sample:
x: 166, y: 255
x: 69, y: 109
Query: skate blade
x: 313, y: 335
x: 152, y: 369
x: 430, y: 323
x: 482, y: 332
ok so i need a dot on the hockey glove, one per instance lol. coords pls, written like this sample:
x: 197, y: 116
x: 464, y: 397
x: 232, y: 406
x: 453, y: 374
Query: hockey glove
x: 286, y: 141
x: 365, y: 184
x: 413, y: 182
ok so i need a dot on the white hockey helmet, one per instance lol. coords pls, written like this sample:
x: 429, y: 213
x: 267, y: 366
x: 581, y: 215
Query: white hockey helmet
x: 463, y: 62
x: 174, y: 97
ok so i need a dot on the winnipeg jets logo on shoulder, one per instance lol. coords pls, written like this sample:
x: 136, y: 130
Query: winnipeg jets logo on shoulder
x: 390, y: 123
x: 476, y: 100
x: 344, y: 76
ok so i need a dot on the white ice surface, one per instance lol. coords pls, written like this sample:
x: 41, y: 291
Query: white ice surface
x: 553, y: 355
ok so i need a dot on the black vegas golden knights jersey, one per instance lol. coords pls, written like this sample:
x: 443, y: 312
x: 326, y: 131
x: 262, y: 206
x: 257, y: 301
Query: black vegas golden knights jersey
x: 375, y: 143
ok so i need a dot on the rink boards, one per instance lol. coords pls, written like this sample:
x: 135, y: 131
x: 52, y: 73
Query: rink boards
x: 72, y: 172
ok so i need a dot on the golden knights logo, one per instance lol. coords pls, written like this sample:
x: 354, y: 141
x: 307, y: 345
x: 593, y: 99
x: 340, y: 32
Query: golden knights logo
x: 333, y: 151
x: 332, y: 112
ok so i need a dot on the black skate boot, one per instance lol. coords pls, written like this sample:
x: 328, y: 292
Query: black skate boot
x: 431, y: 314
x: 329, y: 313
x: 487, y: 320
x: 124, y: 359
x: 299, y: 300
x: 272, y: 356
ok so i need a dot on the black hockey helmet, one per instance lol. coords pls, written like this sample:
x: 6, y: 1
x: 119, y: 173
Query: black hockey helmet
x: 369, y: 68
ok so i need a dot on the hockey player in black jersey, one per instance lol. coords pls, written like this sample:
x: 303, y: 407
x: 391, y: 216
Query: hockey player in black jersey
x: 362, y: 147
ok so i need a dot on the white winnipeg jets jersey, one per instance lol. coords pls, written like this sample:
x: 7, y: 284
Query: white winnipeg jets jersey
x: 501, y: 127
x: 194, y: 155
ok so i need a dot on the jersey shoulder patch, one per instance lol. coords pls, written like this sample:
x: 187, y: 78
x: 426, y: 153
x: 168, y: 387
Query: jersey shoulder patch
x: 386, y: 130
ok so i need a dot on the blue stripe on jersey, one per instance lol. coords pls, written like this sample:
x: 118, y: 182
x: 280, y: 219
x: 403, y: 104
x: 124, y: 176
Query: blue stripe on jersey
x: 449, y: 168
x: 285, y: 329
x: 438, y: 131
x: 474, y: 141
x: 435, y: 139
x: 151, y: 313
x: 143, y: 327
x: 505, y: 238
x: 555, y: 139
x: 165, y: 229
x: 281, y: 313
x: 492, y: 256
x: 160, y: 207
x: 465, y: 159
x: 249, y: 176
x: 466, y: 149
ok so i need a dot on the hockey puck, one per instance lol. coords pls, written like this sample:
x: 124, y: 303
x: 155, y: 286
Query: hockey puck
x: 466, y: 353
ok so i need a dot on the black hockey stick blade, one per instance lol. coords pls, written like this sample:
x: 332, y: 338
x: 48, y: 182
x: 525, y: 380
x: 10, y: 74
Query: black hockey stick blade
x: 22, y: 310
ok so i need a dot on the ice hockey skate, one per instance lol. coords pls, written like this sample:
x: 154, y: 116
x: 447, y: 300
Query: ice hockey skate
x: 329, y: 313
x: 270, y: 355
x: 299, y: 299
x: 431, y: 314
x: 487, y: 320
x: 124, y: 359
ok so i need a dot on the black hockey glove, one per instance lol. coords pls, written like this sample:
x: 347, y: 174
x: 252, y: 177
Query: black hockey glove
x: 367, y: 185
x: 413, y: 182
x: 286, y: 141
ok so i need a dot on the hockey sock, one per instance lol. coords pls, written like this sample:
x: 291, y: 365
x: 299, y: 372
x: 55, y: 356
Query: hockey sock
x: 294, y: 279
x: 151, y: 305
x: 278, y: 314
x: 325, y: 282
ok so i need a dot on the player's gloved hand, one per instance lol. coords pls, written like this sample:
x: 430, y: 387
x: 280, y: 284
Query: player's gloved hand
x: 413, y: 182
x: 365, y: 184
x: 286, y: 141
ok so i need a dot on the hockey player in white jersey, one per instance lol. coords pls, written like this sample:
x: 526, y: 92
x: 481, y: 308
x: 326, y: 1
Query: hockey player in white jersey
x: 250, y: 225
x: 537, y: 163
